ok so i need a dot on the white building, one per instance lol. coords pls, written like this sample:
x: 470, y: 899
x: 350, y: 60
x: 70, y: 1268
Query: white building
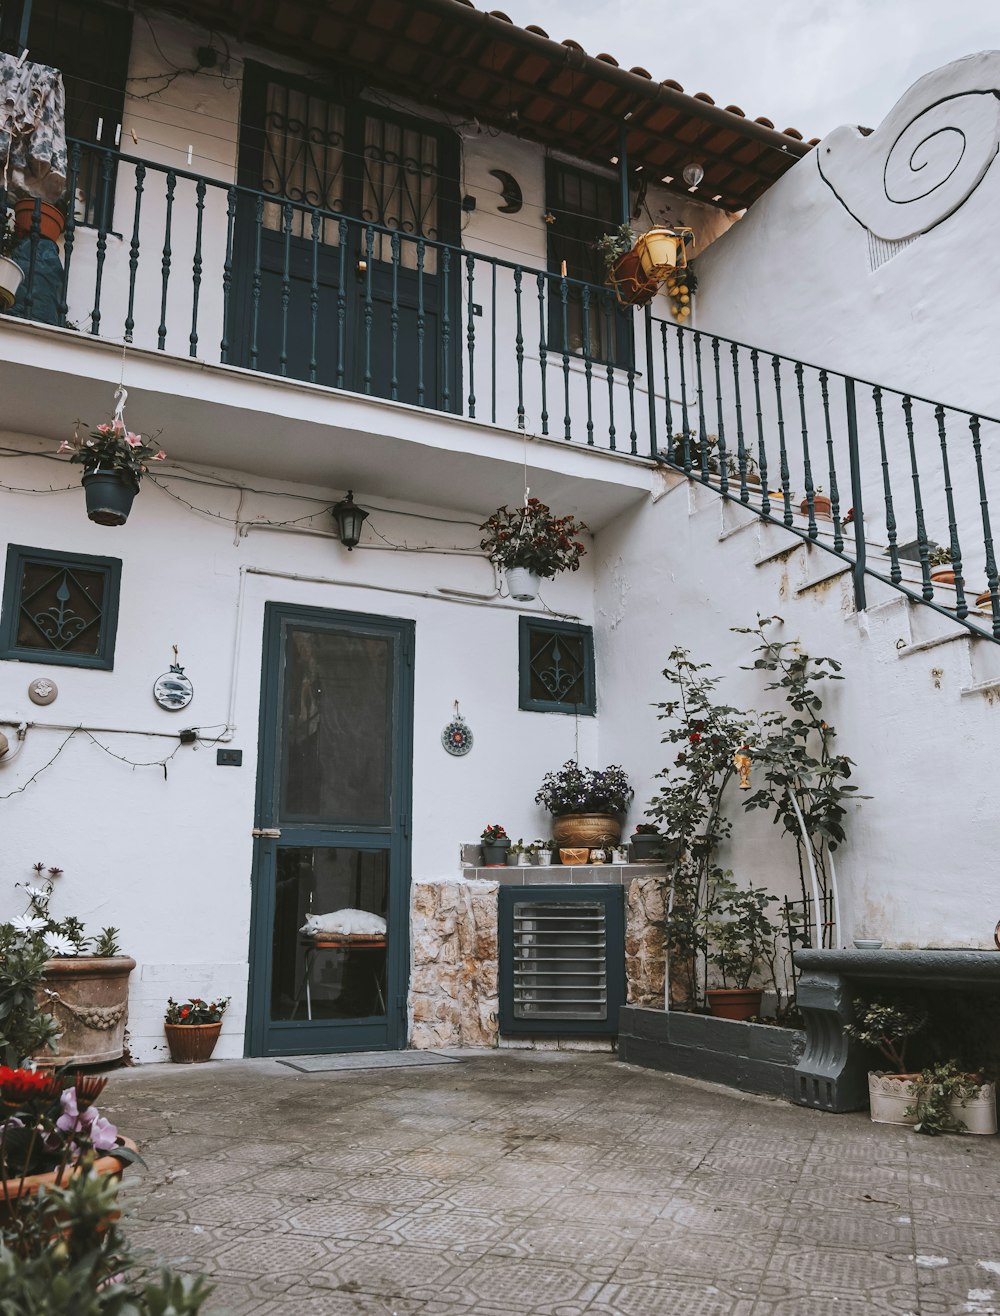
x: 326, y: 251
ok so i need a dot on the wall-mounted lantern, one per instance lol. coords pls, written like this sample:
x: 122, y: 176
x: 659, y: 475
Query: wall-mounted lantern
x: 349, y: 518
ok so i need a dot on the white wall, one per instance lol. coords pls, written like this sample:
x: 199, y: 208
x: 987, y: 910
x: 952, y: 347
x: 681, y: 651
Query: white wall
x: 169, y: 860
x: 919, y: 866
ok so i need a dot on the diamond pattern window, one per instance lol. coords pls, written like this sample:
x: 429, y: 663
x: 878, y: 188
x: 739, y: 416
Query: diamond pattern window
x: 556, y: 667
x: 59, y: 608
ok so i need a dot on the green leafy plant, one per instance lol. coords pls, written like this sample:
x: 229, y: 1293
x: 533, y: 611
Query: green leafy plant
x: 196, y: 1011
x: 25, y: 1029
x: 62, y: 937
x: 612, y: 246
x: 493, y: 833
x: 701, y: 450
x: 934, y: 1091
x: 112, y: 447
x: 740, y: 938
x: 532, y: 538
x: 573, y: 789
x: 888, y: 1027
x: 939, y: 556
x: 106, y: 945
x: 800, y: 775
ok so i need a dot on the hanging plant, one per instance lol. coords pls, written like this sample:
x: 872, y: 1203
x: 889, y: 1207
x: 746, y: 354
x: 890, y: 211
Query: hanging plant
x: 637, y: 266
x: 529, y: 544
x: 114, y: 461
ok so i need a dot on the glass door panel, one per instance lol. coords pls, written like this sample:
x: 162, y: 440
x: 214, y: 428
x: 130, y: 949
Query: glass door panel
x: 330, y: 933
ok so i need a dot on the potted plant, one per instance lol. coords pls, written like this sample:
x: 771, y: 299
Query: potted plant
x: 114, y: 462
x: 686, y: 447
x: 947, y: 1099
x: 543, y: 853
x: 84, y: 980
x: 646, y: 843
x: 530, y: 544
x: 495, y: 843
x: 939, y: 559
x: 11, y: 273
x: 740, y: 940
x: 51, y: 217
x: 619, y: 854
x: 193, y: 1028
x: 888, y: 1028
x: 514, y: 854
x: 636, y: 266
x: 822, y: 506
x: 586, y: 804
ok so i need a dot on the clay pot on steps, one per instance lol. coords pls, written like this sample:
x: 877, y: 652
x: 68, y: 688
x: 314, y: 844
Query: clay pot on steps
x: 822, y: 507
x: 88, y: 995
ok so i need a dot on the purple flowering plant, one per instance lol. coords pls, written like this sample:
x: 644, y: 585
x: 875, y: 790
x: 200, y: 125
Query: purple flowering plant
x: 573, y: 789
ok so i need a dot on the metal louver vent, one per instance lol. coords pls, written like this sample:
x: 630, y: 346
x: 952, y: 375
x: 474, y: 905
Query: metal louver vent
x: 560, y: 960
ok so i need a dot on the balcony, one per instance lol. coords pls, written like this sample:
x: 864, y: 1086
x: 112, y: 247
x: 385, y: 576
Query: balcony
x: 265, y: 308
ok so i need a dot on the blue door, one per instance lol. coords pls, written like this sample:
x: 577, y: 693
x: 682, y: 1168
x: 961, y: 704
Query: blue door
x: 330, y: 910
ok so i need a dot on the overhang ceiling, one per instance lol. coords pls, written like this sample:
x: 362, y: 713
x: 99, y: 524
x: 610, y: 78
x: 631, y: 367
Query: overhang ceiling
x: 450, y: 55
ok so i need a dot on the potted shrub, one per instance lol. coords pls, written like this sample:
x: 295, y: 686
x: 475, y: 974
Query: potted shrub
x: 114, y: 462
x: 939, y: 560
x: 495, y: 843
x: 888, y: 1028
x: 193, y: 1028
x: 11, y: 273
x: 84, y: 980
x: 543, y: 853
x: 586, y: 804
x: 946, y: 1099
x: 740, y: 940
x: 530, y: 544
x: 515, y: 853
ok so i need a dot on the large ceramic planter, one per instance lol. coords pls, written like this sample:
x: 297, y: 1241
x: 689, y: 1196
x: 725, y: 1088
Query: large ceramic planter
x: 51, y: 220
x: 88, y: 996
x: 734, y: 1002
x: 522, y: 584
x: 645, y: 846
x: 13, y: 1191
x: 593, y: 830
x: 11, y: 275
x: 110, y: 495
x: 192, y: 1044
x: 891, y: 1094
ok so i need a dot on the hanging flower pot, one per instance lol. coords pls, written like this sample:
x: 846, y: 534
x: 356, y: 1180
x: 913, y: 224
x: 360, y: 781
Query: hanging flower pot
x: 632, y: 287
x: 660, y: 251
x: 114, y: 461
x: 11, y: 275
x: 530, y: 544
x: 522, y: 584
x: 110, y: 495
x: 51, y: 220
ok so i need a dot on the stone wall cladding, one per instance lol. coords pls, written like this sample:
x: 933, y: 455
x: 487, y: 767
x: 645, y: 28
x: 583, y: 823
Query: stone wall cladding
x: 453, y: 988
x: 645, y: 959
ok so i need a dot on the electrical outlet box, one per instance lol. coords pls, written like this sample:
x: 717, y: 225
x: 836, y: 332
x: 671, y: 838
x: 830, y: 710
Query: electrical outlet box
x: 229, y: 758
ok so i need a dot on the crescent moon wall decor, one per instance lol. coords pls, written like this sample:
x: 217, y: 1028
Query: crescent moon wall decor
x: 510, y: 190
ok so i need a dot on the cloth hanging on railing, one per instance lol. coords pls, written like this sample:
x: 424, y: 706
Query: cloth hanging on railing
x: 32, y: 129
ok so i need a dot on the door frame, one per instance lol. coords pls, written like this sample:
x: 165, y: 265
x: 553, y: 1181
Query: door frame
x: 277, y: 615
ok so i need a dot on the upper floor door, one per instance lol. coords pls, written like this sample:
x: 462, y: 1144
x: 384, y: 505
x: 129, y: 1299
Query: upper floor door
x: 339, y: 277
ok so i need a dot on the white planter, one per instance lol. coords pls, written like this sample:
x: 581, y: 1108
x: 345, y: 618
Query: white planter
x: 890, y: 1094
x: 544, y: 858
x: 11, y: 275
x: 522, y: 584
x: 619, y: 856
x: 524, y: 861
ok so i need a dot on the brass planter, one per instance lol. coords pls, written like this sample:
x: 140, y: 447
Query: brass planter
x: 592, y: 830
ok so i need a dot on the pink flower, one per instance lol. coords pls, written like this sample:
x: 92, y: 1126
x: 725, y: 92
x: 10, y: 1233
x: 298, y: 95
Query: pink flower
x: 133, y: 440
x: 158, y: 456
x: 65, y: 447
x: 104, y: 429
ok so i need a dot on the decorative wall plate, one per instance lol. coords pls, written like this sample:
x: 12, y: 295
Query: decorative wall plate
x: 456, y: 737
x: 173, y: 690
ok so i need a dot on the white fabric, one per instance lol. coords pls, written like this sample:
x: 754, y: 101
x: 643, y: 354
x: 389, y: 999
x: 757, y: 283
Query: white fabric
x: 345, y: 923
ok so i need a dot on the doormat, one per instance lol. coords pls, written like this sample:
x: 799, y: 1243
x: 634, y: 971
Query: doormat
x: 367, y: 1060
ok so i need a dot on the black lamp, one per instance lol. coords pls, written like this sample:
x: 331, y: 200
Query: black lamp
x: 349, y: 518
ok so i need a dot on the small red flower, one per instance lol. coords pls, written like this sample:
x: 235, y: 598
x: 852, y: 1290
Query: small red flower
x: 694, y: 737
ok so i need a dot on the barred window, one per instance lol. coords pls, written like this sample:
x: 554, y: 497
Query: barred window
x: 59, y: 608
x: 556, y: 667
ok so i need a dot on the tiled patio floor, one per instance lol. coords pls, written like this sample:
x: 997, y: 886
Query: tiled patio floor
x: 546, y: 1183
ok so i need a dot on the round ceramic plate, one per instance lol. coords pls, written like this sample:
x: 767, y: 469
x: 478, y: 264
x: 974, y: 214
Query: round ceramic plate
x: 457, y: 738
x: 173, y: 690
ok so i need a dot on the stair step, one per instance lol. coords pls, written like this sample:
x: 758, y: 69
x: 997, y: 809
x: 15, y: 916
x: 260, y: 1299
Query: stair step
x: 921, y: 646
x: 831, y: 569
x: 980, y: 688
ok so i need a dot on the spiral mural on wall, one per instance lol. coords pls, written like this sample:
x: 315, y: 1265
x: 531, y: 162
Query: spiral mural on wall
x: 926, y: 158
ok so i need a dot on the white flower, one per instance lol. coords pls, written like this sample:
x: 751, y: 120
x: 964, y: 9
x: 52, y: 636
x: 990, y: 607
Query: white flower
x: 27, y: 923
x: 57, y: 944
x: 38, y: 892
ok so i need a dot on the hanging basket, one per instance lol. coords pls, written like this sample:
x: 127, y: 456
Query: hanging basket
x: 636, y: 276
x: 522, y: 584
x: 110, y: 495
x: 632, y: 287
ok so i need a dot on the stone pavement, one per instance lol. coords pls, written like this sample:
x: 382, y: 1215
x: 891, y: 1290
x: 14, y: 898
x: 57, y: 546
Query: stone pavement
x: 554, y: 1183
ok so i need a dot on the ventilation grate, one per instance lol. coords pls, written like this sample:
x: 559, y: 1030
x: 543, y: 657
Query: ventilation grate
x: 560, y: 961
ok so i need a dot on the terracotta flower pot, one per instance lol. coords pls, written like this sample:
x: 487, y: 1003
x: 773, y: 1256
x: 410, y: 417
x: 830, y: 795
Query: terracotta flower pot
x: 88, y: 995
x: 14, y: 1190
x: 192, y: 1044
x: 984, y: 600
x: 51, y: 220
x: 822, y: 507
x: 734, y: 1002
x: 943, y: 575
x: 592, y: 830
x: 632, y: 287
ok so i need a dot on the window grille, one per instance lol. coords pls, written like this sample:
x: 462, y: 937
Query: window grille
x: 59, y: 608
x: 556, y: 667
x: 561, y: 959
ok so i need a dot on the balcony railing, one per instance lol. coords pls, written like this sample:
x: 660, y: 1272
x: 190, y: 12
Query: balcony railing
x: 192, y: 266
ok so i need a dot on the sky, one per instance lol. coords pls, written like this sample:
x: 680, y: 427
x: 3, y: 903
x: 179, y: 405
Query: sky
x: 805, y: 64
